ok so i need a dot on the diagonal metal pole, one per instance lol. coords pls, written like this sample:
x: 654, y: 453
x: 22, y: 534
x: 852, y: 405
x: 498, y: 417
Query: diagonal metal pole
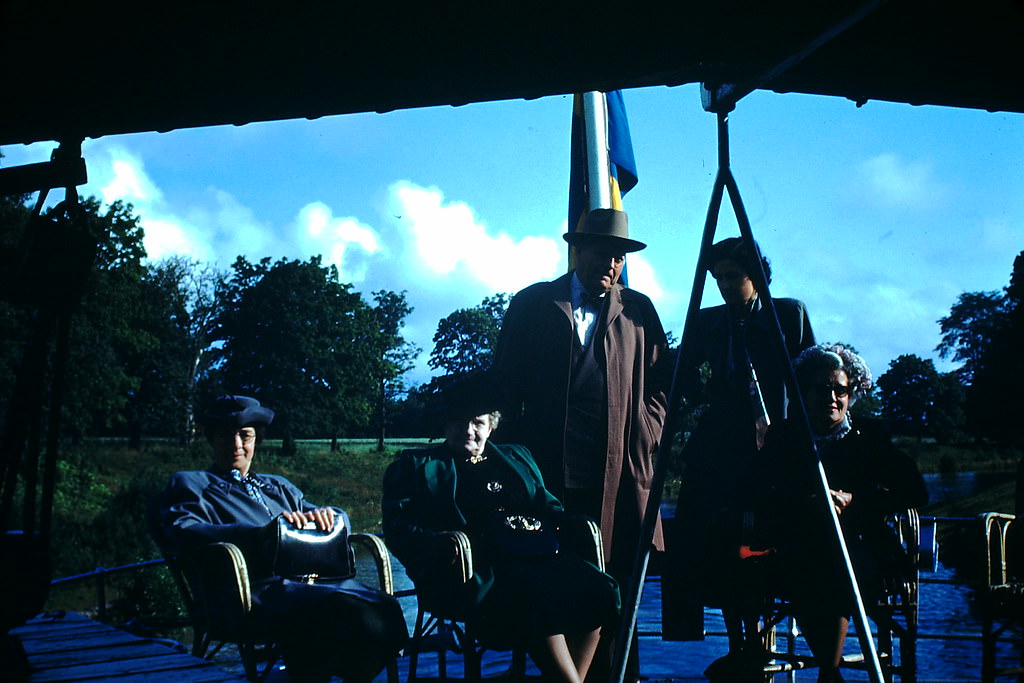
x: 724, y: 180
x: 867, y: 643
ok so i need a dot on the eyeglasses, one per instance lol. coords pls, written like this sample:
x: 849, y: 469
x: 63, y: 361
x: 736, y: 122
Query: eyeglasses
x: 839, y: 390
x: 247, y: 436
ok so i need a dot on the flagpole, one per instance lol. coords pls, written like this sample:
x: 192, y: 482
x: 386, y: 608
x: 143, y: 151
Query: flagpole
x: 595, y: 118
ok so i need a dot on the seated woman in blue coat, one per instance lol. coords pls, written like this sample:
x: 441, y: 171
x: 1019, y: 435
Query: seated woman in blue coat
x: 524, y: 592
x: 334, y: 628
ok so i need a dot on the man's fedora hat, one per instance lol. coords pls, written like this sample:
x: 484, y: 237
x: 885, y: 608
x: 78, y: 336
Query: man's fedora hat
x: 233, y: 411
x: 605, y: 225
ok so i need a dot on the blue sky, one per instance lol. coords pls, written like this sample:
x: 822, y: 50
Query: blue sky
x: 877, y: 217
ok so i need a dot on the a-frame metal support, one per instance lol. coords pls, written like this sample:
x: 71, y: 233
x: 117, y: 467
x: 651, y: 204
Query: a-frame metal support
x: 724, y: 180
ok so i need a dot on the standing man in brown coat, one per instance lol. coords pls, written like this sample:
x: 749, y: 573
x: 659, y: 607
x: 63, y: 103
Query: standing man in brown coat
x: 581, y: 363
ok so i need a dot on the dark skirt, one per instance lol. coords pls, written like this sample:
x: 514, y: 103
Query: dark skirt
x: 816, y: 578
x: 536, y: 597
x: 702, y: 541
x: 341, y: 628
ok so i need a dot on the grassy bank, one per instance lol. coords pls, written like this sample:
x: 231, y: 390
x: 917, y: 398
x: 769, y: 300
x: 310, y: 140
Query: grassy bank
x: 938, y: 458
x: 998, y: 494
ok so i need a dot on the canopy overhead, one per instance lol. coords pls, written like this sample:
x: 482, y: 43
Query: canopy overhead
x: 86, y: 69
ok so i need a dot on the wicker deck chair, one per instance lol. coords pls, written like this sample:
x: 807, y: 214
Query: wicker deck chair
x: 439, y: 632
x: 213, y: 581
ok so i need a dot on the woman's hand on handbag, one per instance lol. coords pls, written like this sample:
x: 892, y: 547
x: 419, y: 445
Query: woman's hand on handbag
x: 322, y: 517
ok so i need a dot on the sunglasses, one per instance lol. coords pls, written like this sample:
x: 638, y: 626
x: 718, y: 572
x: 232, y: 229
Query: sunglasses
x: 839, y: 390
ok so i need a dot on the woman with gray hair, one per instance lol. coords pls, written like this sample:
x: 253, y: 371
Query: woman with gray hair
x: 524, y: 591
x: 868, y: 478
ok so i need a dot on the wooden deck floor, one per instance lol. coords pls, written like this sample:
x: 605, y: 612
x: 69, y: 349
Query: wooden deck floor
x: 70, y: 647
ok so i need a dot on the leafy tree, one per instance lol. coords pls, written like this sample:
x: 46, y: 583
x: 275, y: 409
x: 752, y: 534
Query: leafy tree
x: 178, y: 298
x: 466, y: 339
x: 999, y: 370
x: 947, y: 418
x: 868, y: 405
x: 907, y: 391
x: 158, y: 362
x: 194, y: 287
x: 919, y: 401
x: 300, y: 340
x: 396, y: 355
x: 79, y: 278
x: 110, y: 330
x: 14, y: 318
x: 974, y: 321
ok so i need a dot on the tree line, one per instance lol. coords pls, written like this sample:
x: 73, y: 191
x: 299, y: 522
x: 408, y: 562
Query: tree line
x: 150, y: 341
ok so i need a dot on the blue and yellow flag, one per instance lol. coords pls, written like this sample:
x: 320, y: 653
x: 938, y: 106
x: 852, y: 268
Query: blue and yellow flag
x: 622, y: 165
x: 620, y: 149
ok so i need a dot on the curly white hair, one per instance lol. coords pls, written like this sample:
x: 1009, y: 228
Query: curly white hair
x: 814, y: 359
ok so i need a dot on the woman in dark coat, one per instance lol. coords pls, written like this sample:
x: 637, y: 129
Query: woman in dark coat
x: 523, y: 591
x: 868, y: 478
x: 734, y: 371
x: 337, y: 628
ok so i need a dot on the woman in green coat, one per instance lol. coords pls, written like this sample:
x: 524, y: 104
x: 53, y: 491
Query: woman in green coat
x: 523, y: 590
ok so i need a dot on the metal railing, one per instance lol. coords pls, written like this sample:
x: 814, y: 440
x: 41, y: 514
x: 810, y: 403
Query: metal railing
x: 100, y: 575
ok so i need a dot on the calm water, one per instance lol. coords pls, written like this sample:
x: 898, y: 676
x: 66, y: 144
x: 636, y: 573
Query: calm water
x: 949, y: 648
x: 943, y: 487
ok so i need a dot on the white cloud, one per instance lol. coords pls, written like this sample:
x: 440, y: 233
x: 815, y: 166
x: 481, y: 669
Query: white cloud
x: 232, y: 229
x: 438, y: 250
x: 345, y: 242
x: 121, y: 175
x: 999, y: 235
x: 169, y: 237
x: 129, y: 181
x: 889, y: 181
x: 641, y: 277
x: 447, y: 240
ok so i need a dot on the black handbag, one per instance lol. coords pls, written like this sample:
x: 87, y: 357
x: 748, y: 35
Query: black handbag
x: 309, y: 554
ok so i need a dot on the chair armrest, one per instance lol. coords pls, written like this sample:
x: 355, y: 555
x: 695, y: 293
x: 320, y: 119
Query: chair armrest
x: 582, y: 536
x: 224, y: 581
x: 374, y: 545
x: 996, y: 526
x: 910, y: 535
x: 463, y: 550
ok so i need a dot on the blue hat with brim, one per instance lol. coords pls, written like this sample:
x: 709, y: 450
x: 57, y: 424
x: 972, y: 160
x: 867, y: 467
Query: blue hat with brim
x: 234, y: 411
